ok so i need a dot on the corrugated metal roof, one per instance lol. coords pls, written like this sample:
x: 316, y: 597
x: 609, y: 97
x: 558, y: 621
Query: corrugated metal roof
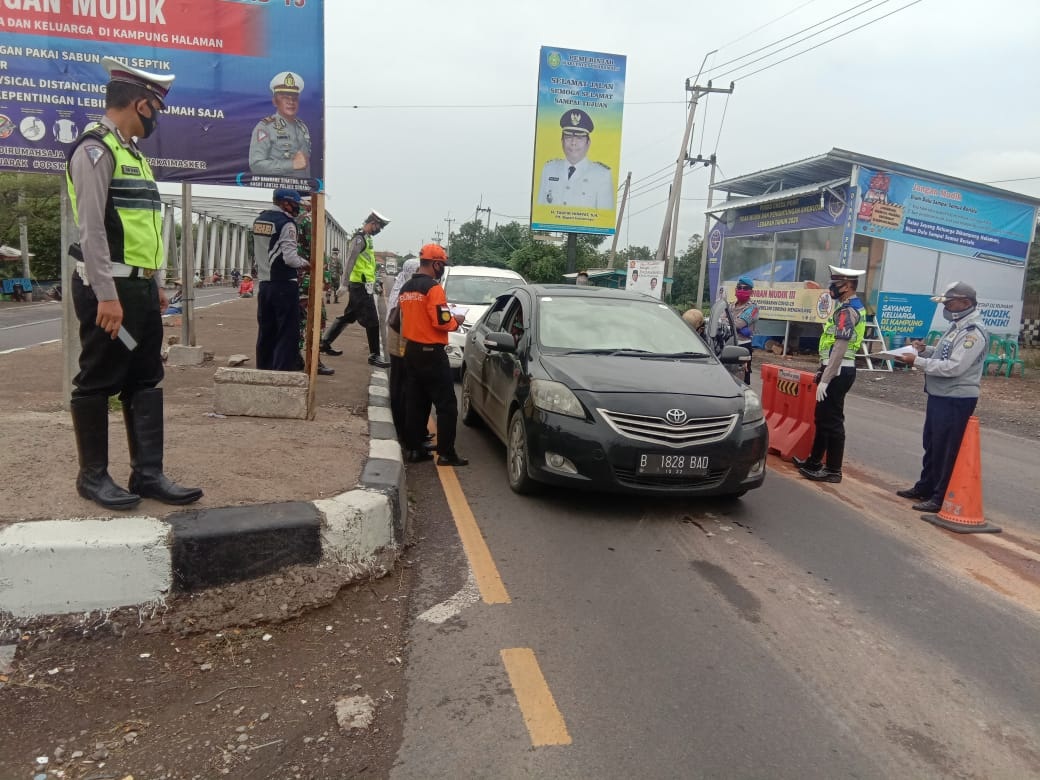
x: 793, y: 192
x: 838, y: 163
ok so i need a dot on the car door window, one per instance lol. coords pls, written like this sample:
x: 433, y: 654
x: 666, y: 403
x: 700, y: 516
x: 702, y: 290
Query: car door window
x: 493, y: 318
x: 514, y: 322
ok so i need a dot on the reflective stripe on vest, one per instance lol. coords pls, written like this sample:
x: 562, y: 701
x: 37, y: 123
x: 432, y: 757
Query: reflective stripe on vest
x: 365, y: 265
x: 133, y: 219
x: 827, y: 339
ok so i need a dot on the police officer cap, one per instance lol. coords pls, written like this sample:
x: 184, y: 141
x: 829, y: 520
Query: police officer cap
x: 576, y: 122
x: 845, y: 273
x: 158, y: 85
x: 287, y: 83
x: 375, y: 216
x: 286, y: 194
x: 957, y: 290
x: 433, y: 252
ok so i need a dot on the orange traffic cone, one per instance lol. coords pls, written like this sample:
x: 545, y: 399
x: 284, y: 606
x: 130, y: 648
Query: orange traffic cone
x: 962, y: 506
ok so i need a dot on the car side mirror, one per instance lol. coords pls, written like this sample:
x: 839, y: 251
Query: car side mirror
x: 734, y: 355
x: 499, y: 342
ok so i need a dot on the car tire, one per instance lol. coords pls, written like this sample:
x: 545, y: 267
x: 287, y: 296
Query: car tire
x: 518, y: 458
x: 469, y: 415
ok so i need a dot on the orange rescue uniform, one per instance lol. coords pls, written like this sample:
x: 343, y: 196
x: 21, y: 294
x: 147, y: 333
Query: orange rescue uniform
x: 425, y: 316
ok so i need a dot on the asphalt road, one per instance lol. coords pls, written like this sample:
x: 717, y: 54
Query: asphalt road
x: 802, y: 631
x: 25, y: 325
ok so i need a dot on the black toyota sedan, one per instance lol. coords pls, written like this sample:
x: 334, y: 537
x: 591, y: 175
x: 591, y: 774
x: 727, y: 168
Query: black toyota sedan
x: 610, y: 390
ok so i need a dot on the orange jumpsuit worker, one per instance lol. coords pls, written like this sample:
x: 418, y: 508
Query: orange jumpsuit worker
x: 426, y: 320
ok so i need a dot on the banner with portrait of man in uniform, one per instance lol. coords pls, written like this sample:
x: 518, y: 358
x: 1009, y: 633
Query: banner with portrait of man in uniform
x: 577, y: 141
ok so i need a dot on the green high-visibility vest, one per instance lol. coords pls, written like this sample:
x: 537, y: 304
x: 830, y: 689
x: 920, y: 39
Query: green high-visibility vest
x: 365, y: 265
x: 860, y: 329
x: 133, y: 218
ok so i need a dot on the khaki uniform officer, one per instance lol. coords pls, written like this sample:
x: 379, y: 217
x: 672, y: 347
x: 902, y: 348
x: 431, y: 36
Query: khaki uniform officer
x: 575, y: 180
x: 281, y: 143
x: 115, y: 291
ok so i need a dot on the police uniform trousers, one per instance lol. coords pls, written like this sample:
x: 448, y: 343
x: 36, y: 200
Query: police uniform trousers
x: 830, y: 421
x: 944, y: 423
x: 361, y: 308
x: 428, y: 382
x: 106, y: 366
x: 278, y: 326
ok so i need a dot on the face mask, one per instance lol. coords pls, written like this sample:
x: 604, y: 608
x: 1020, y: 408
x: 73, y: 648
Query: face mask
x: 438, y: 270
x: 148, y: 123
x: 953, y: 316
x: 743, y: 296
x: 835, y: 289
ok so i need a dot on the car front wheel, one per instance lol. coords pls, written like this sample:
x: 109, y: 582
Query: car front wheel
x: 518, y: 456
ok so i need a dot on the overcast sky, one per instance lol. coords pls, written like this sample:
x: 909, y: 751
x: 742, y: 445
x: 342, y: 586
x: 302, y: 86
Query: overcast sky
x: 945, y: 85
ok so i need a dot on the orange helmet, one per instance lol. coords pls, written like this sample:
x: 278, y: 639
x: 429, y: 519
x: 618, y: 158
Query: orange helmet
x: 433, y: 252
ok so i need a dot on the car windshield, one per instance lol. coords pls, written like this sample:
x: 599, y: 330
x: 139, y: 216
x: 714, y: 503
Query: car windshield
x: 480, y: 290
x: 580, y: 324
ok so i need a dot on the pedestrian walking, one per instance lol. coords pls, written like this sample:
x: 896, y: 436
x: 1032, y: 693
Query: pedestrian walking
x: 426, y: 320
x: 116, y: 292
x: 359, y: 269
x: 395, y: 347
x: 278, y: 305
x: 952, y: 379
x: 841, y: 339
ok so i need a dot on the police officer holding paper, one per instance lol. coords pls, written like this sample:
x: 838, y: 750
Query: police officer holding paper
x: 426, y: 320
x: 841, y: 339
x: 116, y: 292
x: 281, y: 143
x: 952, y: 377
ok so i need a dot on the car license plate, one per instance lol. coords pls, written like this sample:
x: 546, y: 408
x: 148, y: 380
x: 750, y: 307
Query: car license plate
x: 674, y: 465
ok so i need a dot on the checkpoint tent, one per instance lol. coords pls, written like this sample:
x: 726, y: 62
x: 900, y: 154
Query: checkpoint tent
x: 912, y: 230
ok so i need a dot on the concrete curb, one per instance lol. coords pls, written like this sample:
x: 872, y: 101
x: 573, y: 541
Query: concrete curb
x: 78, y: 565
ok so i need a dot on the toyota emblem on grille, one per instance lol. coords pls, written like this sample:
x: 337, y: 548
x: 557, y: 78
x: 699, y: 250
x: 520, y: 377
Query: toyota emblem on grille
x: 675, y: 416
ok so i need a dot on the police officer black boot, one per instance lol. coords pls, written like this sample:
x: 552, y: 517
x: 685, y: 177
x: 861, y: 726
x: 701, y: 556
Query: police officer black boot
x: 90, y: 421
x: 143, y: 414
x: 374, y: 356
x: 331, y: 334
x: 806, y: 464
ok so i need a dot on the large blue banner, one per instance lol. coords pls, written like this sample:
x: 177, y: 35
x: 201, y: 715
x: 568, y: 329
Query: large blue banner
x: 943, y: 217
x: 247, y: 106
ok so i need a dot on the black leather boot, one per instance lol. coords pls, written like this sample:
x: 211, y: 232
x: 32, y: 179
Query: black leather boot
x: 90, y: 421
x: 143, y: 413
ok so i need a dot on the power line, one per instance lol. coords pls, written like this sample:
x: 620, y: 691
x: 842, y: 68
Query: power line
x: 721, y: 65
x: 1005, y: 181
x: 459, y: 106
x: 763, y: 26
x: 822, y: 43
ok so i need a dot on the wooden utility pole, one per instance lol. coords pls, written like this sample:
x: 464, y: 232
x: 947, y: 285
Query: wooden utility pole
x: 315, y: 296
x: 704, y: 238
x: 187, y: 269
x: 666, y: 244
x: 620, y: 217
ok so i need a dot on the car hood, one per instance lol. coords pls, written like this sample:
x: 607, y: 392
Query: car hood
x: 476, y: 311
x: 625, y: 374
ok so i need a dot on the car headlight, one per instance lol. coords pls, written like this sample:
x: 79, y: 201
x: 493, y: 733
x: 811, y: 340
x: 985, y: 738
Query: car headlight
x: 752, y: 406
x: 555, y: 397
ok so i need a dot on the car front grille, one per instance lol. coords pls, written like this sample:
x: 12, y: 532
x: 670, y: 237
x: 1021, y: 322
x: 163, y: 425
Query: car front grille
x: 632, y: 478
x: 657, y: 430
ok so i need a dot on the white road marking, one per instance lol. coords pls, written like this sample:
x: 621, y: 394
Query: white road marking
x: 449, y: 608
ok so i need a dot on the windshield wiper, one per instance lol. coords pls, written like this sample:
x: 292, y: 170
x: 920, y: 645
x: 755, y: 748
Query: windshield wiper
x: 613, y: 351
x: 695, y: 355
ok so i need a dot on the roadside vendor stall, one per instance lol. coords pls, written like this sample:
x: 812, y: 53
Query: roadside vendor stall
x: 912, y: 230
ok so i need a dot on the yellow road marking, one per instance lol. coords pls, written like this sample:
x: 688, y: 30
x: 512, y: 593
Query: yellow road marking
x: 492, y: 589
x: 544, y: 722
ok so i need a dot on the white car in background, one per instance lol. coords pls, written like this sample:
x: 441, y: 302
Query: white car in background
x: 476, y: 287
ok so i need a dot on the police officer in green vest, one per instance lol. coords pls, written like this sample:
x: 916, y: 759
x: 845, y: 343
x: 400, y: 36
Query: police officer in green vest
x: 359, y: 267
x: 841, y: 339
x: 116, y: 292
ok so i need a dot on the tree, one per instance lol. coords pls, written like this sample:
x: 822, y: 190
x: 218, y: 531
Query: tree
x: 538, y: 262
x: 686, y: 275
x: 465, y: 244
x: 37, y: 198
